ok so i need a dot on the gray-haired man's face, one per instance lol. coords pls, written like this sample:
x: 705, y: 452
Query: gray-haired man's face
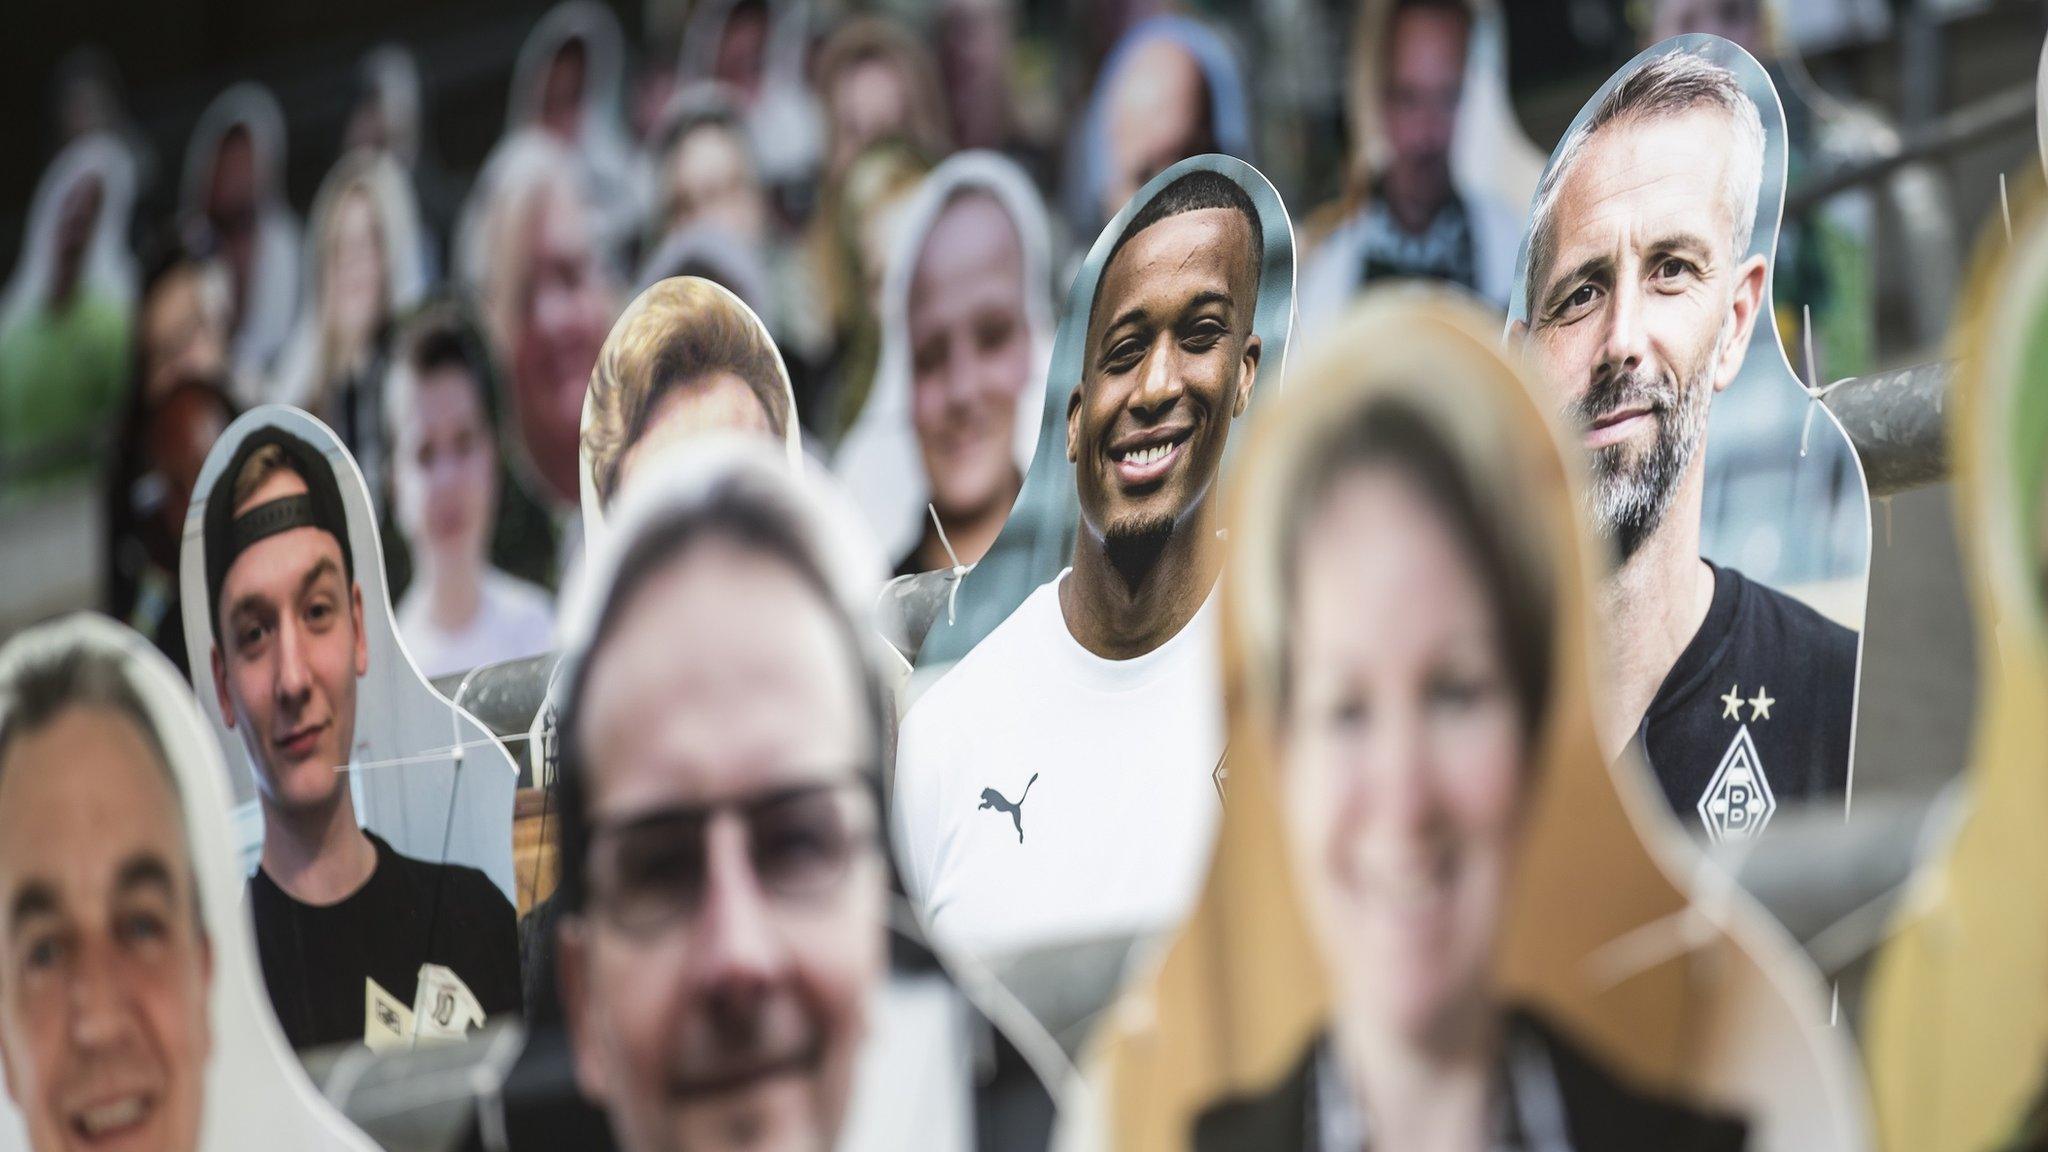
x: 1645, y: 307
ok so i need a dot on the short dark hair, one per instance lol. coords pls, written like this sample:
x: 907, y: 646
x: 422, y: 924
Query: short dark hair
x: 1668, y: 85
x: 1394, y: 435
x: 737, y: 512
x: 443, y: 333
x: 1193, y: 192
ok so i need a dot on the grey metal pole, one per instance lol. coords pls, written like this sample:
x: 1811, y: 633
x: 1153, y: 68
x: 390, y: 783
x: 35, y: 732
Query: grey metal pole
x: 1897, y: 421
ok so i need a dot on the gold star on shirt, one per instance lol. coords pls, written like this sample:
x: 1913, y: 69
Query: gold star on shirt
x: 1760, y: 704
x: 1731, y: 703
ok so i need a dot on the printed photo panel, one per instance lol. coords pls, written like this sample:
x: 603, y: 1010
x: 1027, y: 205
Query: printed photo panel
x: 1038, y: 539
x: 1425, y: 861
x: 424, y: 775
x: 1035, y: 755
x: 640, y: 404
x: 1644, y: 298
x: 715, y: 617
x: 951, y: 421
x: 1827, y: 258
x: 116, y: 811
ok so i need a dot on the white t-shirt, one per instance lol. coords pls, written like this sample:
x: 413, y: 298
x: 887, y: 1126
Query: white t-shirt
x: 513, y: 619
x: 1113, y: 837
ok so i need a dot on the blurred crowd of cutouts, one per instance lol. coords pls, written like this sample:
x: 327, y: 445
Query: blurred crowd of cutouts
x: 446, y: 325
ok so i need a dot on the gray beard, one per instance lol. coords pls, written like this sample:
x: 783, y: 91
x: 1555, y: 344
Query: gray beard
x: 1628, y: 498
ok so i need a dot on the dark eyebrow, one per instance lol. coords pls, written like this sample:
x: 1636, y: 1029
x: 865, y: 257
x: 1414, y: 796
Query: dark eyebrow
x: 249, y: 601
x: 1201, y: 299
x: 246, y: 602
x: 1129, y: 315
x: 1585, y: 268
x: 145, y: 869
x: 36, y: 898
x: 324, y: 566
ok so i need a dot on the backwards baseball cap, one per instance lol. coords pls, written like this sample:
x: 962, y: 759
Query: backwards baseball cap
x: 227, y: 535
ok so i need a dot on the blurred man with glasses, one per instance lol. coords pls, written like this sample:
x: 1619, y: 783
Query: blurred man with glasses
x: 724, y: 884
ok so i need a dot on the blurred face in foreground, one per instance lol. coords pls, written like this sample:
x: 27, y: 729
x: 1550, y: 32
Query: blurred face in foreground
x: 1403, y: 758
x: 104, y: 969
x: 717, y: 984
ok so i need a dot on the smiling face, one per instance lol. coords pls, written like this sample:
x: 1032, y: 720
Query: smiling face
x: 732, y: 1017
x: 285, y: 664
x: 970, y: 348
x: 1403, y: 756
x: 104, y: 970
x: 1644, y: 308
x: 1170, y: 361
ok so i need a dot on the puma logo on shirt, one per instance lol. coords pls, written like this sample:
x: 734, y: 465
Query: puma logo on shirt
x: 990, y: 798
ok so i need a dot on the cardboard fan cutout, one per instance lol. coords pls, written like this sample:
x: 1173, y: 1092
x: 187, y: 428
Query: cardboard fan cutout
x: 1400, y: 150
x: 1429, y: 887
x: 139, y: 785
x: 1073, y: 752
x: 686, y: 358
x: 1038, y: 539
x: 1956, y: 1028
x: 1644, y: 295
x: 960, y: 380
x: 424, y: 775
x: 919, y: 1056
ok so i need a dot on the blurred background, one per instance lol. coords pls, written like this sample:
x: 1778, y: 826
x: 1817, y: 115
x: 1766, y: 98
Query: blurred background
x: 209, y: 204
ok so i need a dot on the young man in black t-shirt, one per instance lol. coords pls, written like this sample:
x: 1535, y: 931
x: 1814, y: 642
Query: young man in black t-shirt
x: 1642, y: 296
x: 347, y: 929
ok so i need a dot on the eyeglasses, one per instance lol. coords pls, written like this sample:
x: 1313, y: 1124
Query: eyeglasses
x: 650, y: 872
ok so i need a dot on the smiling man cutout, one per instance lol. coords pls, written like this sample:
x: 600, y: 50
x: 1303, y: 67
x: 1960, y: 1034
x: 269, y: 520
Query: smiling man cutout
x: 1103, y: 686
